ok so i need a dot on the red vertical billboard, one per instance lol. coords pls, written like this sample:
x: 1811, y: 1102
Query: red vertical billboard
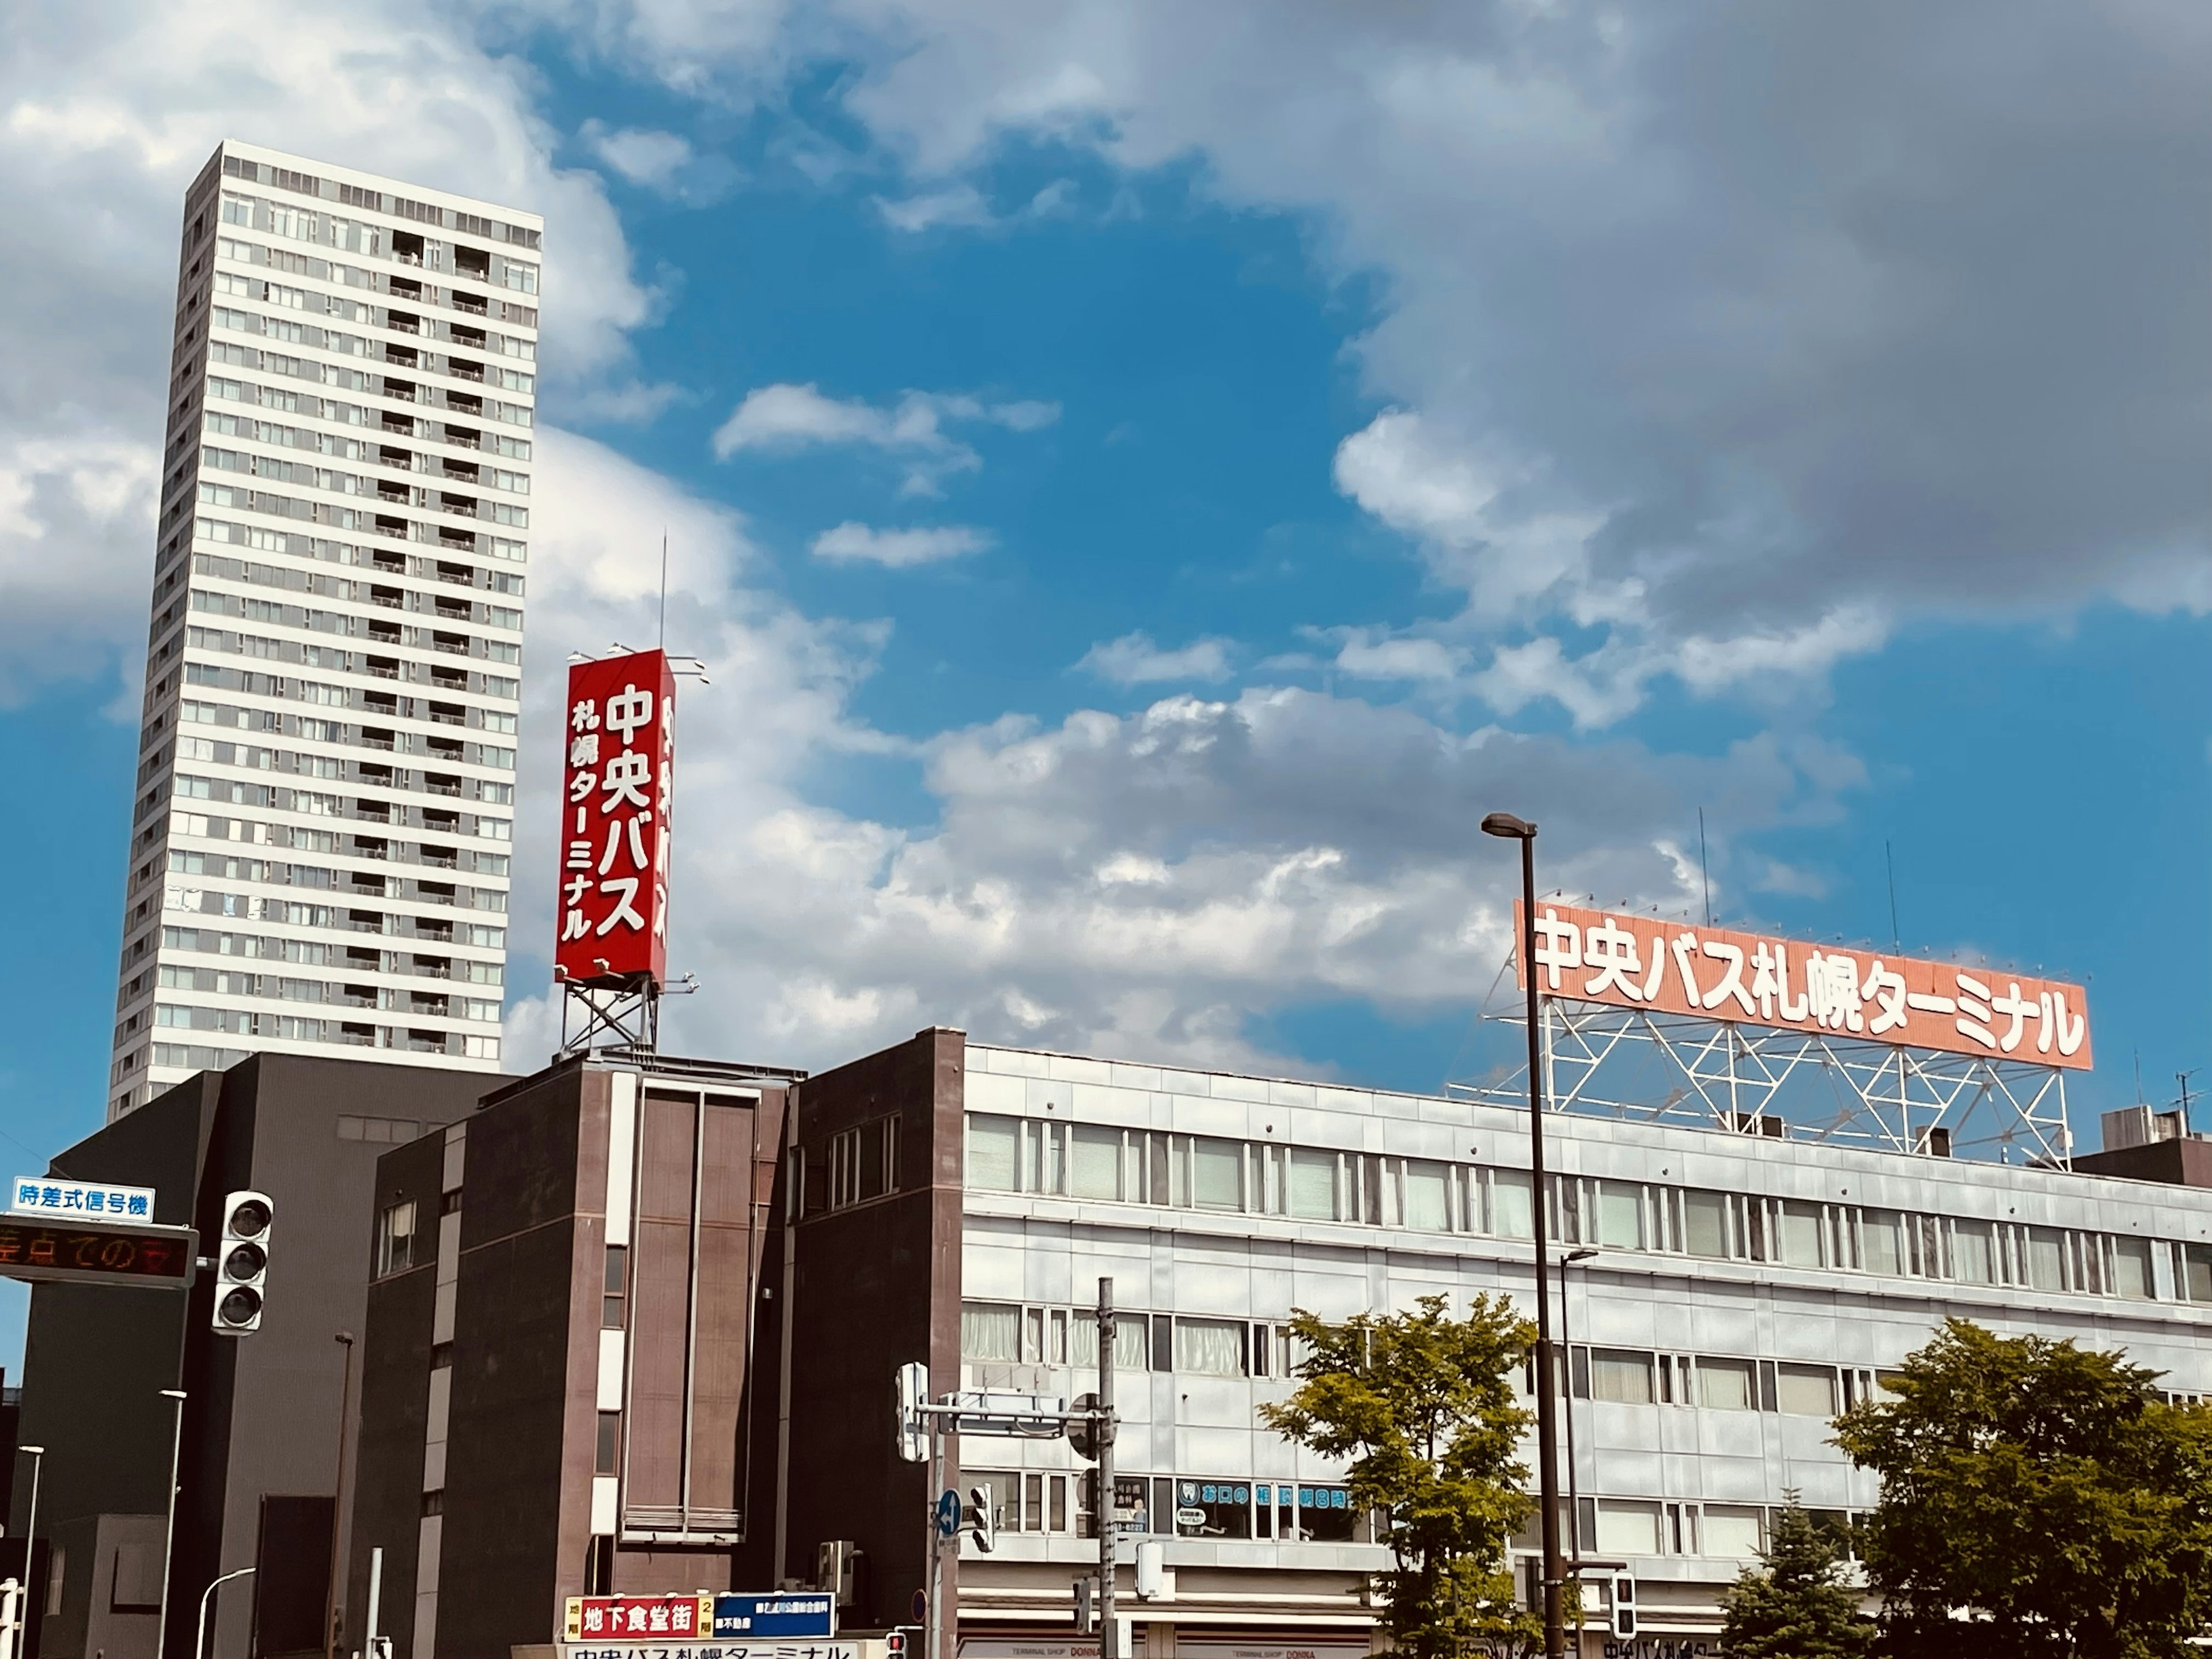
x: 616, y: 791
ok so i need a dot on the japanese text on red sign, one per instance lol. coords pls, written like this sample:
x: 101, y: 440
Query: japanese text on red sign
x: 1632, y: 962
x: 619, y: 789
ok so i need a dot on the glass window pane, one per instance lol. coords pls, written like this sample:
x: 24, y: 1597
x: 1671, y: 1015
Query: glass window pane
x: 1800, y: 1234
x: 990, y: 1331
x: 1427, y: 1204
x: 1216, y: 1174
x: 1095, y: 1167
x: 2046, y: 1259
x: 1627, y: 1529
x: 1128, y: 1343
x: 1704, y: 1225
x: 1805, y: 1390
x: 1973, y: 1256
x: 1313, y: 1184
x: 2197, y: 1277
x: 1725, y: 1385
x: 1882, y: 1237
x: 1732, y: 1532
x: 1622, y: 1377
x: 2132, y: 1268
x: 1209, y: 1347
x: 992, y: 1145
x: 1620, y: 1215
x: 1512, y: 1211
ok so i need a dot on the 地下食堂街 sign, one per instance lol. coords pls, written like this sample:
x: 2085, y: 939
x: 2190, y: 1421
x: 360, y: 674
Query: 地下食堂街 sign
x: 1758, y: 979
x: 51, y: 1195
x: 618, y: 787
x: 634, y: 1618
x: 790, y: 1613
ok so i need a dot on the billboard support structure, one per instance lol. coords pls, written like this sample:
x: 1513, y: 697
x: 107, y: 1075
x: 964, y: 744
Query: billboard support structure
x: 618, y: 1016
x: 1740, y: 1077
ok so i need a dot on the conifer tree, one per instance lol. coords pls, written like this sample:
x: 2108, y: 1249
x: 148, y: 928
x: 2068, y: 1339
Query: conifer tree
x: 1798, y: 1606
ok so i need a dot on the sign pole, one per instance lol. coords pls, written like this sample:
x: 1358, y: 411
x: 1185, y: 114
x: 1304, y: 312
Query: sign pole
x: 934, y: 1638
x: 1109, y: 1532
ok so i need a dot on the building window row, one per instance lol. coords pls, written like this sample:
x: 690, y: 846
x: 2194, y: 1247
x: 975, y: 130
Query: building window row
x: 393, y: 814
x: 405, y: 569
x: 288, y: 1027
x: 394, y: 500
x: 187, y: 861
x: 267, y: 539
x: 1017, y: 1333
x: 270, y: 987
x: 286, y: 400
x: 275, y: 326
x: 316, y: 803
x: 453, y: 752
x: 396, y: 285
x: 376, y: 242
x: 1144, y: 1166
x: 438, y: 930
x: 341, y: 447
x: 179, y: 896
x: 397, y: 492
x: 453, y: 607
x: 863, y: 1163
x: 406, y: 386
x: 438, y: 676
x: 314, y: 729
x: 450, y: 642
x: 235, y: 166
x: 1187, y: 1506
x: 317, y: 953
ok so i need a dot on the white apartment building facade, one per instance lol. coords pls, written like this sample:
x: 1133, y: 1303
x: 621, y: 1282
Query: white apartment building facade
x: 323, y: 821
x: 1745, y: 1289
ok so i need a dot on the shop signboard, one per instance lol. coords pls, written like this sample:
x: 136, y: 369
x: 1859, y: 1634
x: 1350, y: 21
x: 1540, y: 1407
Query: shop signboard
x: 1627, y: 961
x: 788, y: 1613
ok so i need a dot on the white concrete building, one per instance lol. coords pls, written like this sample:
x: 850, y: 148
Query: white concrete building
x: 1745, y: 1289
x: 323, y: 822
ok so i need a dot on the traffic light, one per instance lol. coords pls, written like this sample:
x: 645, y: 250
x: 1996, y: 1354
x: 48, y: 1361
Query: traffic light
x: 241, y: 1267
x: 1086, y: 1617
x: 982, y: 1523
x: 1624, y: 1605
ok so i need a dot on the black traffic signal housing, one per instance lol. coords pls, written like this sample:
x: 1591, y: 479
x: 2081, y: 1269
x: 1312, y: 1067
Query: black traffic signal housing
x: 241, y: 1266
x: 983, y: 1522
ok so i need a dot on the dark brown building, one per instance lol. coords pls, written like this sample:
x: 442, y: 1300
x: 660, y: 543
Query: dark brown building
x: 261, y: 1413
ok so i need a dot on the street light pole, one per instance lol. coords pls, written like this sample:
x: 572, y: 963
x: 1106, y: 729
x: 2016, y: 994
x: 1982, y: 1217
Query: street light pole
x: 1507, y: 827
x: 338, y: 1503
x: 199, y: 1637
x: 169, y: 1534
x: 30, y: 1553
x: 1573, y: 1259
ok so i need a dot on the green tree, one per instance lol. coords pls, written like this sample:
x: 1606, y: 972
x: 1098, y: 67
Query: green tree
x: 1421, y: 1408
x: 1798, y: 1608
x: 2038, y: 1500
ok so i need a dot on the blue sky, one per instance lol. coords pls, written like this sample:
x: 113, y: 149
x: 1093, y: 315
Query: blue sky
x: 1145, y: 482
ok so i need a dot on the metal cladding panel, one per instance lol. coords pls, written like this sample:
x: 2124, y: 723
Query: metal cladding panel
x: 619, y: 778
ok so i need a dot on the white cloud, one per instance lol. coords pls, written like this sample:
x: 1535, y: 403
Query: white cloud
x: 853, y: 543
x: 1133, y: 660
x: 787, y: 416
x: 958, y: 205
x: 105, y: 114
x: 643, y: 157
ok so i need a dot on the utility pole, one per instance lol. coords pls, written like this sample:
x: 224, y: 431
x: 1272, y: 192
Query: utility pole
x: 1110, y: 1535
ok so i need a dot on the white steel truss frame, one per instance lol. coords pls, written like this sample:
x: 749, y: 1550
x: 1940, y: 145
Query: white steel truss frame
x: 1810, y: 1086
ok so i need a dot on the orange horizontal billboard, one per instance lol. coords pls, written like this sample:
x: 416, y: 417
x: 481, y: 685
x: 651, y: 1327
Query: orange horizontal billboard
x: 1641, y: 962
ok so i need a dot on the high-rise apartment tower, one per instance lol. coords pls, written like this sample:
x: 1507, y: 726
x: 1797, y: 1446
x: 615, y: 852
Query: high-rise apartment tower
x: 324, y: 814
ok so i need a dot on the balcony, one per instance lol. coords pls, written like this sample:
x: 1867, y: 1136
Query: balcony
x: 441, y: 858
x: 384, y: 743
x: 403, y: 325
x: 472, y: 303
x: 438, y: 788
x: 465, y: 371
x: 385, y: 671
x: 449, y: 720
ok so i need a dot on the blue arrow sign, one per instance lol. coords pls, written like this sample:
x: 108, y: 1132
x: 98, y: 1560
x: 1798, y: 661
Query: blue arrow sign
x: 948, y: 1513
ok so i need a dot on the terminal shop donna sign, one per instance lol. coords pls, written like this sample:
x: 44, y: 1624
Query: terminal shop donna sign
x: 618, y: 785
x: 1756, y: 979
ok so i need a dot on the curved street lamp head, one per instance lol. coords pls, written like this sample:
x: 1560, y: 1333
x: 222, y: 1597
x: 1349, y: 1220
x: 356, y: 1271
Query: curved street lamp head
x: 1510, y: 828
x: 35, y: 1451
x: 1583, y: 1255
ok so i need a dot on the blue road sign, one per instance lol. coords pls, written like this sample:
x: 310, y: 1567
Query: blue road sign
x: 948, y: 1513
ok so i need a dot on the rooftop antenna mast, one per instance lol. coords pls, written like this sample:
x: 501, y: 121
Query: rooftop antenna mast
x: 664, y: 588
x: 1704, y: 874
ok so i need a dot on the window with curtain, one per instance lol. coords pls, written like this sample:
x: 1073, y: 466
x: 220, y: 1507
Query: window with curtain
x: 1313, y: 1184
x: 1725, y: 1385
x: 1800, y: 1234
x: 1730, y: 1531
x: 2132, y: 1268
x: 2046, y: 1259
x: 1973, y: 1252
x: 1428, y: 1196
x: 1217, y: 1174
x: 991, y: 1331
x: 1704, y: 1225
x: 1627, y: 1529
x: 1094, y: 1163
x: 1618, y: 1374
x: 1620, y: 1215
x: 1129, y: 1353
x: 1209, y: 1347
x: 1882, y: 1241
x: 2197, y: 1272
x: 993, y: 1152
x: 1512, y: 1206
x: 1805, y: 1390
